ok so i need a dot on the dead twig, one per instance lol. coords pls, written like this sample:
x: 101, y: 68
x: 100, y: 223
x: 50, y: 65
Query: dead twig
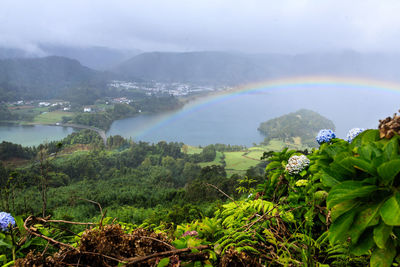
x: 35, y: 232
x: 158, y: 240
x: 222, y: 192
x: 102, y: 255
x: 103, y: 214
x: 136, y: 260
x: 62, y: 221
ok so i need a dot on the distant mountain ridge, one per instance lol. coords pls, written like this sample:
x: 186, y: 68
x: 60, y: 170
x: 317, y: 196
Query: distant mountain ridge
x: 51, y: 76
x: 94, y: 57
x: 45, y: 77
x: 192, y: 67
x: 237, y: 68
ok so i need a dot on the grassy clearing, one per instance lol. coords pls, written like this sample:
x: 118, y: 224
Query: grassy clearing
x: 51, y: 117
x: 192, y: 150
x: 238, y: 162
x: 255, y: 154
x: 216, y: 161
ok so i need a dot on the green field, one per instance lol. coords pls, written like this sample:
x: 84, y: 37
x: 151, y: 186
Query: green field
x: 51, y: 117
x: 192, y: 150
x: 236, y: 162
x: 255, y: 154
x: 216, y: 161
x: 240, y: 161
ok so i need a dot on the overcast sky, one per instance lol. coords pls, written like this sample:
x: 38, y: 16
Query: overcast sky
x: 185, y: 25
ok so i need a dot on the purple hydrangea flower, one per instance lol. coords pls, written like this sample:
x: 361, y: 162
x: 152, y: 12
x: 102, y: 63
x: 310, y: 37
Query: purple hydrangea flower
x: 353, y: 133
x: 6, y: 220
x: 325, y: 136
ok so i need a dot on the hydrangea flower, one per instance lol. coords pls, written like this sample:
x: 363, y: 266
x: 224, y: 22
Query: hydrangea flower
x: 190, y: 233
x: 5, y: 220
x: 296, y: 164
x: 325, y: 136
x: 353, y: 133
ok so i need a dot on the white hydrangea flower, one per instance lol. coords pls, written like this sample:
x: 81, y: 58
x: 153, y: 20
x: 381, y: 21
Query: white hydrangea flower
x: 296, y: 164
x: 353, y: 133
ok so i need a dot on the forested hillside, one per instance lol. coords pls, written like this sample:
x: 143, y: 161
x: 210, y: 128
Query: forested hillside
x: 48, y: 77
x: 298, y: 127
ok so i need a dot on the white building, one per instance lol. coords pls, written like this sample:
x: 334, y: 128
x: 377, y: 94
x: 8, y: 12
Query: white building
x: 87, y: 109
x: 44, y: 104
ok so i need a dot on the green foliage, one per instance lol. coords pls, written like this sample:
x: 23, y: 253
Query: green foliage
x: 362, y: 179
x: 16, y: 242
x: 9, y: 150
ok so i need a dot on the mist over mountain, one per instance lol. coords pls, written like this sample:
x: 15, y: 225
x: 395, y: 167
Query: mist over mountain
x: 237, y: 68
x: 45, y: 77
x: 25, y: 74
x: 96, y: 57
x: 192, y: 67
x: 11, y: 52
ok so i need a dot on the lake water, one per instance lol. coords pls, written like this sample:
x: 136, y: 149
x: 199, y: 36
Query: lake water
x: 235, y: 119
x: 32, y: 135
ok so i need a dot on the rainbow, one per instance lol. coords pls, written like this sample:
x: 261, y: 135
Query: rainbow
x: 292, y: 83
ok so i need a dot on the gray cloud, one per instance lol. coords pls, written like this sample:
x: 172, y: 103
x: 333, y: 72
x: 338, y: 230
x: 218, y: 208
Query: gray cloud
x: 286, y: 26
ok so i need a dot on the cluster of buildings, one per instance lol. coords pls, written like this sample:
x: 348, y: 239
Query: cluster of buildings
x: 121, y: 100
x: 61, y: 104
x: 154, y: 88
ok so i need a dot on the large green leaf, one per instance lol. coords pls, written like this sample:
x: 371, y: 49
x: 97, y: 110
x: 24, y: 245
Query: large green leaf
x: 363, y: 165
x: 364, y: 244
x: 338, y: 231
x: 388, y: 170
x: 368, y: 216
x: 328, y: 180
x: 390, y: 211
x: 342, y: 208
x: 163, y: 262
x: 391, y: 149
x: 5, y: 244
x: 348, y: 190
x: 383, y: 257
x: 333, y: 150
x: 365, y: 152
x: 381, y: 234
x: 378, y: 161
x: 273, y: 165
x: 366, y: 137
x: 20, y: 223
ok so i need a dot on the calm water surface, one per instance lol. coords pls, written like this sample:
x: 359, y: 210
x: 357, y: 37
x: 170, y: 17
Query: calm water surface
x: 32, y: 135
x: 234, y: 119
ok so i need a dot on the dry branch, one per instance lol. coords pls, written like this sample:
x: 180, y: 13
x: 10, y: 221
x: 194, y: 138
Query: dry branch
x: 136, y: 260
x: 35, y: 232
x: 222, y: 192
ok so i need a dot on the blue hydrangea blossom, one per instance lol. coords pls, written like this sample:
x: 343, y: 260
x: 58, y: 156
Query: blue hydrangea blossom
x: 296, y: 164
x: 353, y: 133
x: 5, y: 220
x: 325, y: 136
